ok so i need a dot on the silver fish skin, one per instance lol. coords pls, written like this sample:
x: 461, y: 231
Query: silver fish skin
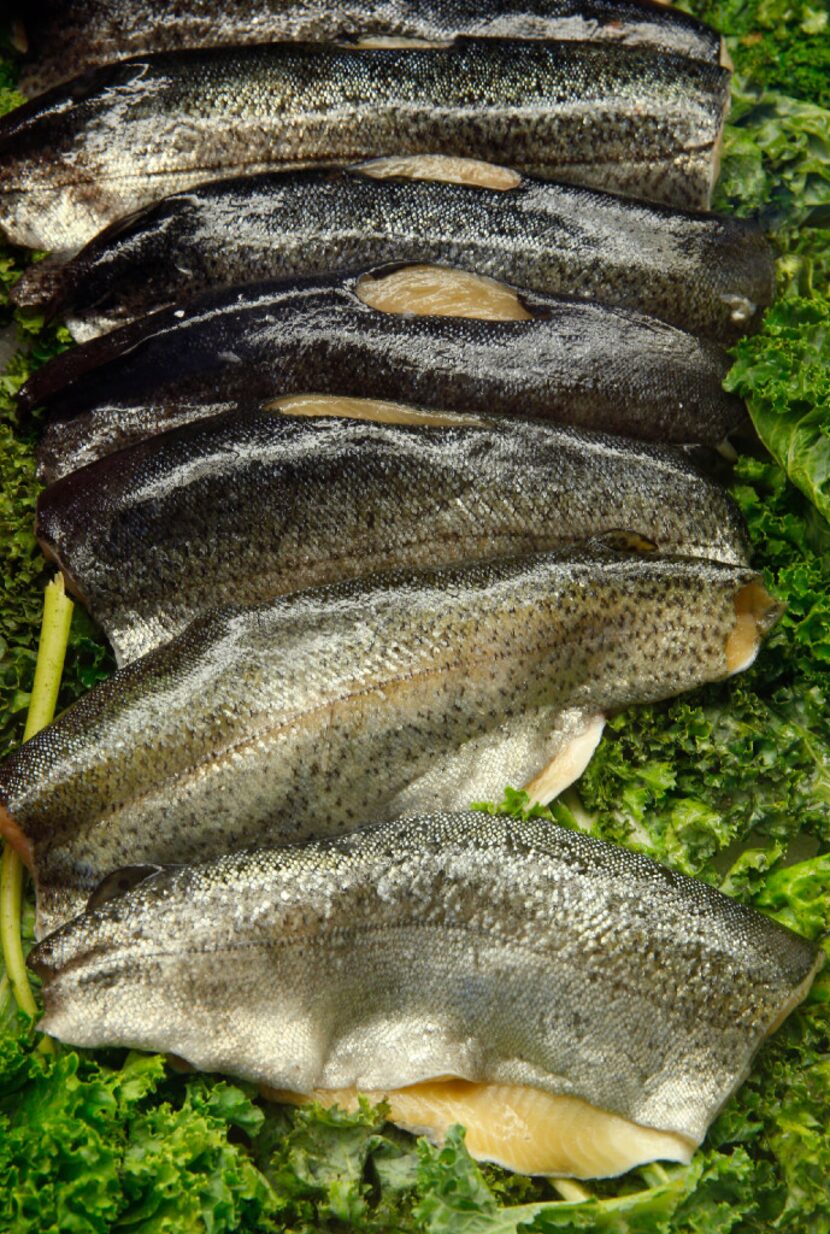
x: 353, y: 703
x: 258, y: 504
x: 625, y: 119
x: 453, y: 944
x: 581, y: 363
x: 65, y: 38
x: 713, y: 276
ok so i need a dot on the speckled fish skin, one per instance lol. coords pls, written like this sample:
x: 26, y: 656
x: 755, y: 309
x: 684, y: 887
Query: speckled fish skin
x: 260, y: 504
x: 711, y: 275
x: 626, y: 119
x: 329, y: 709
x: 584, y: 364
x: 461, y: 945
x: 67, y: 38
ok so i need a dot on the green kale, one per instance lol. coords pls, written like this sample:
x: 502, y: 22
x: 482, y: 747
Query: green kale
x: 783, y: 374
x: 23, y: 571
x: 86, y: 1147
x: 782, y: 44
x: 776, y: 163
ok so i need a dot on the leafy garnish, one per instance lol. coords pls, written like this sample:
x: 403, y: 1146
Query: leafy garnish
x: 784, y: 375
x: 86, y: 1147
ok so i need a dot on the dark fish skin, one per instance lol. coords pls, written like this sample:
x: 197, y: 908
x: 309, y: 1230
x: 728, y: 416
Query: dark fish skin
x: 327, y: 709
x: 711, y: 275
x: 624, y: 119
x: 69, y: 36
x: 502, y: 952
x: 584, y: 364
x: 246, y: 506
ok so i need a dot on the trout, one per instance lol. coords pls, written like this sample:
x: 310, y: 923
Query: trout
x: 329, y: 708
x: 711, y: 275
x: 579, y: 1007
x: 258, y: 504
x: 431, y: 337
x: 65, y: 37
x: 622, y: 119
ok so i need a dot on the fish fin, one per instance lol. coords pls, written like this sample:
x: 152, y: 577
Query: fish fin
x: 443, y: 291
x: 798, y: 995
x: 119, y: 882
x: 58, y: 900
x: 16, y: 838
x: 379, y: 411
x: 623, y: 540
x: 18, y: 37
x: 518, y: 1127
x: 569, y: 761
x: 452, y: 169
x: 549, y: 745
x: 479, y: 769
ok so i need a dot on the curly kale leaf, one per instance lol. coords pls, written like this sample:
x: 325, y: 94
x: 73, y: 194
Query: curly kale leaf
x: 86, y: 1148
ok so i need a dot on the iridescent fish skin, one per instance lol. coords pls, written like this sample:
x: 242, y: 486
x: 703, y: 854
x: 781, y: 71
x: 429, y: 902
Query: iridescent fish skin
x: 713, y: 276
x: 68, y: 36
x: 353, y: 703
x: 464, y: 945
x: 622, y: 119
x: 258, y: 504
x: 584, y: 364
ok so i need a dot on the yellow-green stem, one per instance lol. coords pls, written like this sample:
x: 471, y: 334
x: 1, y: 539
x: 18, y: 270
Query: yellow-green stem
x: 571, y: 1190
x: 54, y: 634
x: 51, y: 652
x: 11, y: 894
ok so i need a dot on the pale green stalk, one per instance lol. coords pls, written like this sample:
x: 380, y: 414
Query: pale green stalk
x: 54, y: 634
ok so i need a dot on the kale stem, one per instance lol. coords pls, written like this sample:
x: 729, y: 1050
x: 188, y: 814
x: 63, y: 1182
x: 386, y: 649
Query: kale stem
x: 54, y: 634
x: 11, y: 893
x: 571, y: 1190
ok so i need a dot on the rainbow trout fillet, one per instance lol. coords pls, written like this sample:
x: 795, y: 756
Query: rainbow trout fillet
x: 713, y: 276
x: 622, y: 119
x: 259, y: 504
x: 579, y: 1007
x: 385, y: 695
x: 64, y: 38
x: 370, y: 336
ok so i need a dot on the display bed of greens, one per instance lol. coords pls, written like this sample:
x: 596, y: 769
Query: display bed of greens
x: 731, y: 784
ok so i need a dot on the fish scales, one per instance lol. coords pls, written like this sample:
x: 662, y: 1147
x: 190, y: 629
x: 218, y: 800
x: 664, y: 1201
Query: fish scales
x: 249, y: 505
x: 359, y: 701
x: 710, y: 275
x: 450, y: 945
x: 626, y: 119
x: 67, y: 38
x: 585, y: 364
